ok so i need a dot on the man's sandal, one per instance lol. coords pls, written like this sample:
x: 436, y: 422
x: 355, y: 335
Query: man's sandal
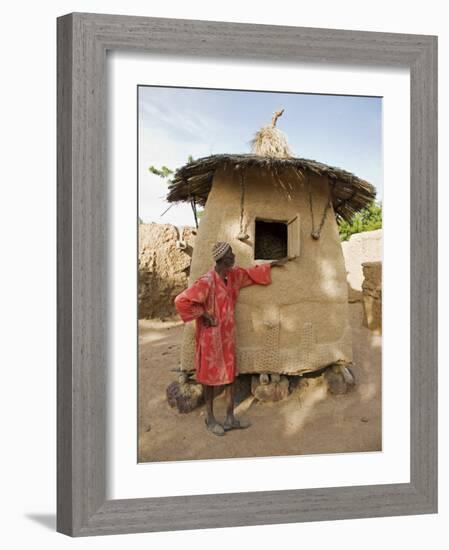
x: 215, y: 428
x: 236, y: 425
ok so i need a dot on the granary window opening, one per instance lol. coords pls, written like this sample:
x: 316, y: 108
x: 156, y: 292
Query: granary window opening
x: 276, y: 239
x: 271, y: 240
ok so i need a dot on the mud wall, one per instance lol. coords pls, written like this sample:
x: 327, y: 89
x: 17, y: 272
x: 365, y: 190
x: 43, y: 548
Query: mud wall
x: 164, y: 267
x: 361, y: 248
x: 372, y: 295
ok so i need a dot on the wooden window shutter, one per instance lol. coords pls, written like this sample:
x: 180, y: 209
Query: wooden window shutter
x: 293, y: 237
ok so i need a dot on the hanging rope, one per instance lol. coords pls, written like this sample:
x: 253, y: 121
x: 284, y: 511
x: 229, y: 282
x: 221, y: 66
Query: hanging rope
x: 193, y: 205
x: 242, y: 236
x: 316, y: 233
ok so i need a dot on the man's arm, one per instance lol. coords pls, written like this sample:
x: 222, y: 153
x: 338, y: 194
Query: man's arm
x: 256, y: 275
x: 190, y: 304
x: 259, y: 274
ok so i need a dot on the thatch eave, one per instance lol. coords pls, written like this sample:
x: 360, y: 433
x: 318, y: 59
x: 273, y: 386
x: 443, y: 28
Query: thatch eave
x: 350, y: 194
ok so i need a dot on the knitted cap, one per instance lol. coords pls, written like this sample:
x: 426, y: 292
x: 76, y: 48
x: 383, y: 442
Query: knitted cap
x: 219, y: 250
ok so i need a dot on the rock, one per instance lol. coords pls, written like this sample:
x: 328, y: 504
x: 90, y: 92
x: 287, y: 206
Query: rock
x: 339, y: 379
x: 185, y: 396
x: 348, y: 377
x: 336, y: 383
x: 273, y: 391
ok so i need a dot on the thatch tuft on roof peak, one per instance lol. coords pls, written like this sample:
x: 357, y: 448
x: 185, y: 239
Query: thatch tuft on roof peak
x: 270, y: 142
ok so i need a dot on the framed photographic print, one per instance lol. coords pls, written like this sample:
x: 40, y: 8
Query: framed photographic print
x: 222, y: 328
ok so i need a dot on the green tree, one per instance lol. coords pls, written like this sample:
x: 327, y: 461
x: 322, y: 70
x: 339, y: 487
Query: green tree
x: 162, y: 172
x: 368, y: 219
x: 165, y: 173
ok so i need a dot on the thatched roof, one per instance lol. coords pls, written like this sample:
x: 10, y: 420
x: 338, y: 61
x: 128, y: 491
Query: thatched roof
x: 194, y: 180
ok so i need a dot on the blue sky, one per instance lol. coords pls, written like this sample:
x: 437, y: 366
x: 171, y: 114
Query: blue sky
x: 343, y: 131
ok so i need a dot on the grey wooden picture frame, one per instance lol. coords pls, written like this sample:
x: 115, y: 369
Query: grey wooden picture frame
x: 83, y: 40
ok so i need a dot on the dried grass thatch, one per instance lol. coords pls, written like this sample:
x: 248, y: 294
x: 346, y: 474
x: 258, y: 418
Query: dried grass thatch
x: 270, y: 142
x: 349, y: 193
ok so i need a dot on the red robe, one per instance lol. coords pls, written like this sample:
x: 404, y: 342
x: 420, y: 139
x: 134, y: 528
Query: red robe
x: 215, y: 362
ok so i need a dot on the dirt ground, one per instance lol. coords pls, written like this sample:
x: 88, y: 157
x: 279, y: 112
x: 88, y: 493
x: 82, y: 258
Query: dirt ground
x: 309, y: 421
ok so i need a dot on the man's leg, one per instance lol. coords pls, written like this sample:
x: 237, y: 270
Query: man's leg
x: 230, y: 398
x: 211, y: 423
x: 209, y: 398
x: 232, y: 423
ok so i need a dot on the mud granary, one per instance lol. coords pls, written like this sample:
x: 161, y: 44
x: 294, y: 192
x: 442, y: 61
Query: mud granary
x: 268, y: 205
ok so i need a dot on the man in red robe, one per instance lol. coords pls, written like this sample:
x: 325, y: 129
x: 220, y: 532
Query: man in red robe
x: 210, y: 301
